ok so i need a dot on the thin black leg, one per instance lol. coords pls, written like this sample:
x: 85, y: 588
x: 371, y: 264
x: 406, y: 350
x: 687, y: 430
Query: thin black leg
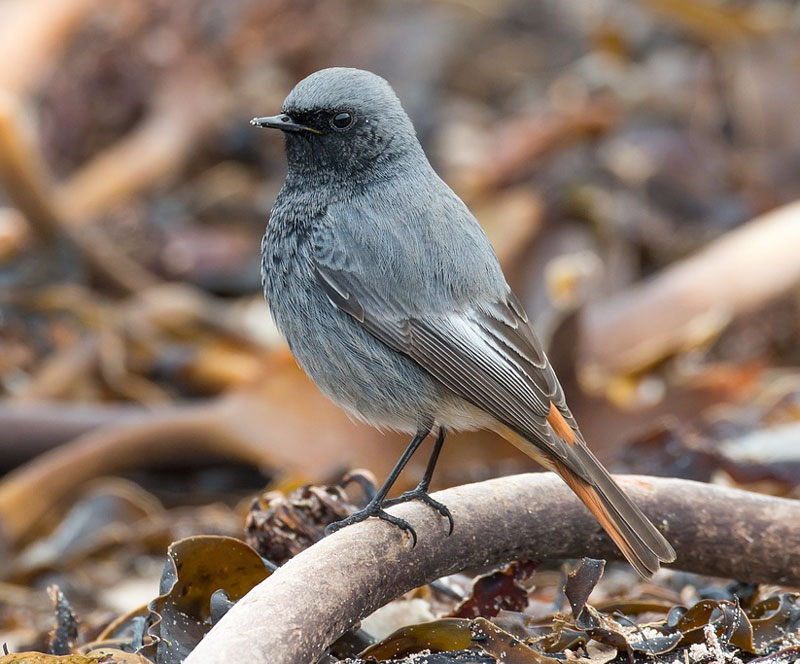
x: 375, y: 506
x: 437, y: 448
x: 421, y: 492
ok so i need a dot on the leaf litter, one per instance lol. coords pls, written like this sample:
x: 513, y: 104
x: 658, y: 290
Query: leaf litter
x: 498, y: 617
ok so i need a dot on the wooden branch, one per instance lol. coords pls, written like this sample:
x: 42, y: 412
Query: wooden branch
x: 23, y: 170
x: 44, y: 425
x: 689, y: 302
x: 251, y: 424
x: 303, y: 607
x: 32, y: 491
x: 524, y: 140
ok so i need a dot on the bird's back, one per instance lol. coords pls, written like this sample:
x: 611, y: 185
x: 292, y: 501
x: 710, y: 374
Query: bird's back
x: 412, y: 238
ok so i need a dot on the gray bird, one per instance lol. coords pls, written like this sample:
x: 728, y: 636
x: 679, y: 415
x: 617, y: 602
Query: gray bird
x: 393, y: 301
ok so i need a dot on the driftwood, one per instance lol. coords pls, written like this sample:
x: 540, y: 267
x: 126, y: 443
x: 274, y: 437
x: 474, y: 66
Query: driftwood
x: 303, y: 607
x: 45, y: 425
x: 251, y: 424
x: 694, y: 299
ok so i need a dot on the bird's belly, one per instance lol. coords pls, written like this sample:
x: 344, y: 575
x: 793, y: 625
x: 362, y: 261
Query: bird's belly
x: 358, y: 372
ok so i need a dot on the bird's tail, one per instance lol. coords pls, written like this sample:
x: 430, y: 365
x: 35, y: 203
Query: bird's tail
x: 637, y: 538
x: 643, y: 546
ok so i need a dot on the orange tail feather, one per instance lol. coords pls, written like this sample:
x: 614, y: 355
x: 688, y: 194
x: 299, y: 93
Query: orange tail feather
x: 638, y: 540
x: 637, y: 553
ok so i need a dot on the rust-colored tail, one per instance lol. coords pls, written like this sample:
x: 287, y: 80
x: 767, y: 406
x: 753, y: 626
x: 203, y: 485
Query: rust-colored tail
x: 644, y: 547
x: 637, y: 538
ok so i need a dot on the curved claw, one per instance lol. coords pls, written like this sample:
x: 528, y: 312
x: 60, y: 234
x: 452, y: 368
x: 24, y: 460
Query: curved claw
x: 333, y: 527
x: 367, y: 512
x: 423, y: 496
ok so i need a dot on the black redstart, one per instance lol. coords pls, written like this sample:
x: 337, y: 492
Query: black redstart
x: 392, y: 299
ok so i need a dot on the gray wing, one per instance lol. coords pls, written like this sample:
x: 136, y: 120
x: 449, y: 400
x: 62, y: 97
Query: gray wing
x: 487, y: 354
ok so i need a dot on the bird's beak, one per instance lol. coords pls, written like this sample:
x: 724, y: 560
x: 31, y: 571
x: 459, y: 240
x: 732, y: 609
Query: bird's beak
x: 282, y: 122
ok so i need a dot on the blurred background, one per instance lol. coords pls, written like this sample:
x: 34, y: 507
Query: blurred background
x: 635, y: 164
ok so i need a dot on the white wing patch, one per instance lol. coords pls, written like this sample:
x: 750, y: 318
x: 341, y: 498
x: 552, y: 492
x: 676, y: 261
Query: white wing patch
x: 493, y: 356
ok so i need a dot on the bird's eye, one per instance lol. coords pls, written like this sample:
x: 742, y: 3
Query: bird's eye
x: 342, y: 120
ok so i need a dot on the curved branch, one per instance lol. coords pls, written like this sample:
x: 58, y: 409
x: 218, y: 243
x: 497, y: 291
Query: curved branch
x: 691, y: 300
x: 303, y: 607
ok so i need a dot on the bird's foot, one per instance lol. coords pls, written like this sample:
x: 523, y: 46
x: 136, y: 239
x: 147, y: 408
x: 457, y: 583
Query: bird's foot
x: 376, y: 511
x: 422, y: 495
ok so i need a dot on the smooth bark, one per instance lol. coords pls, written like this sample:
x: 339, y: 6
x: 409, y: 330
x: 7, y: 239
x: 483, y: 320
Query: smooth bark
x: 296, y: 613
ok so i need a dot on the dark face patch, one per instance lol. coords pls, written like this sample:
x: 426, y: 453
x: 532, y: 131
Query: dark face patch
x: 358, y: 126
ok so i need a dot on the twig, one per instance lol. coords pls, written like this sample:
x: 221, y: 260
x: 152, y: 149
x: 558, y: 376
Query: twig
x: 62, y: 371
x: 28, y: 183
x: 692, y: 300
x: 189, y: 104
x: 526, y: 139
x: 303, y: 607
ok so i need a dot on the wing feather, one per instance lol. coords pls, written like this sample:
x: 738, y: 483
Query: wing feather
x: 489, y: 356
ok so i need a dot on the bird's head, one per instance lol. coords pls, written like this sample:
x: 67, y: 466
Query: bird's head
x: 343, y: 121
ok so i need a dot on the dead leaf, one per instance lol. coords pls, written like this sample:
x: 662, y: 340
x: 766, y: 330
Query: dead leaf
x: 581, y: 583
x: 500, y: 590
x: 436, y: 636
x: 196, y: 568
x: 505, y: 647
